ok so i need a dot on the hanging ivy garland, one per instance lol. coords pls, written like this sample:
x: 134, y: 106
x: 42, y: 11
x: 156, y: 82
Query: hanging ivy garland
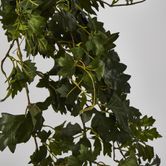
x: 91, y: 84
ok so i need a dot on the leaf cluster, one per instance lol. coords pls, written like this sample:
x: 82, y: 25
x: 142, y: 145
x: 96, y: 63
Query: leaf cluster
x: 91, y: 84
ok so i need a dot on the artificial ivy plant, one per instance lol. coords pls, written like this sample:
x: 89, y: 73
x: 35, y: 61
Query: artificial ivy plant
x: 86, y: 81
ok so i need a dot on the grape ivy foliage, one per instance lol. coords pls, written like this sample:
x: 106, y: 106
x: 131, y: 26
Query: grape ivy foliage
x: 91, y: 85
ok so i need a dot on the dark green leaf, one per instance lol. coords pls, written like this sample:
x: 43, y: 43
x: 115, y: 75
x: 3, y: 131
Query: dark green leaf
x: 78, y: 52
x: 36, y: 116
x: 71, y: 130
x: 74, y: 161
x: 145, y: 151
x: 30, y: 70
x: 121, y: 111
x: 9, y: 125
x: 44, y: 135
x: 45, y: 104
x: 11, y: 130
x: 68, y: 66
x: 39, y: 155
x: 107, y: 149
x: 130, y: 161
x: 86, y: 116
x: 98, y: 67
x: 97, y: 148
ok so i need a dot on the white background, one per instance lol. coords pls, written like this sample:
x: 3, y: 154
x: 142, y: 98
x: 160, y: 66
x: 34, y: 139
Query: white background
x: 141, y: 45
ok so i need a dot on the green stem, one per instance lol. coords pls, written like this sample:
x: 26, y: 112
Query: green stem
x: 84, y: 126
x: 19, y: 54
x: 94, y: 89
x: 3, y: 60
x: 76, y: 86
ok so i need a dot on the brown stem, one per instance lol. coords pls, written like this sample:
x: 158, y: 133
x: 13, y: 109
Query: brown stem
x: 121, y: 152
x: 120, y: 5
x: 37, y: 148
x: 100, y: 163
x: 114, y: 154
x: 27, y: 93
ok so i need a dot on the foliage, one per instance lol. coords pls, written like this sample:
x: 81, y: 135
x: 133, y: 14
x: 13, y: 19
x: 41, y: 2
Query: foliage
x: 91, y: 85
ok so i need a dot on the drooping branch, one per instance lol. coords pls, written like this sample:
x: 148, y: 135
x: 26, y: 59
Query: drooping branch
x: 122, y: 4
x: 19, y: 54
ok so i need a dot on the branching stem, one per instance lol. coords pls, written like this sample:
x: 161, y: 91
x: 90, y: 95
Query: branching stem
x: 100, y: 163
x: 121, y: 5
x: 3, y: 60
x: 83, y: 67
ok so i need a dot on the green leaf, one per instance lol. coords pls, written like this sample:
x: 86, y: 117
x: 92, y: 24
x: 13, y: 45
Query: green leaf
x: 44, y: 135
x: 68, y: 66
x: 8, y: 19
x: 60, y: 143
x: 130, y: 161
x: 113, y: 37
x: 156, y: 161
x: 11, y: 130
x: 9, y: 125
x: 147, y: 121
x: 42, y: 45
x: 87, y: 6
x: 47, y: 162
x: 17, y: 81
x: 39, y: 155
x: 20, y: 77
x: 68, y: 21
x: 64, y: 90
x: 43, y: 82
x: 74, y: 161
x: 36, y: 24
x: 98, y: 67
x: 107, y: 148
x: 30, y: 70
x: 61, y: 162
x: 114, y: 1
x: 96, y: 43
x: 152, y: 134
x: 86, y: 116
x: 85, y: 154
x: 97, y: 148
x: 90, y: 46
x: 25, y: 130
x: 36, y: 116
x: 45, y: 104
x: 78, y: 52
x: 99, y: 40
x: 71, y: 130
x: 145, y: 151
x: 30, y: 4
x: 121, y: 111
x: 68, y: 33
x: 104, y: 126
